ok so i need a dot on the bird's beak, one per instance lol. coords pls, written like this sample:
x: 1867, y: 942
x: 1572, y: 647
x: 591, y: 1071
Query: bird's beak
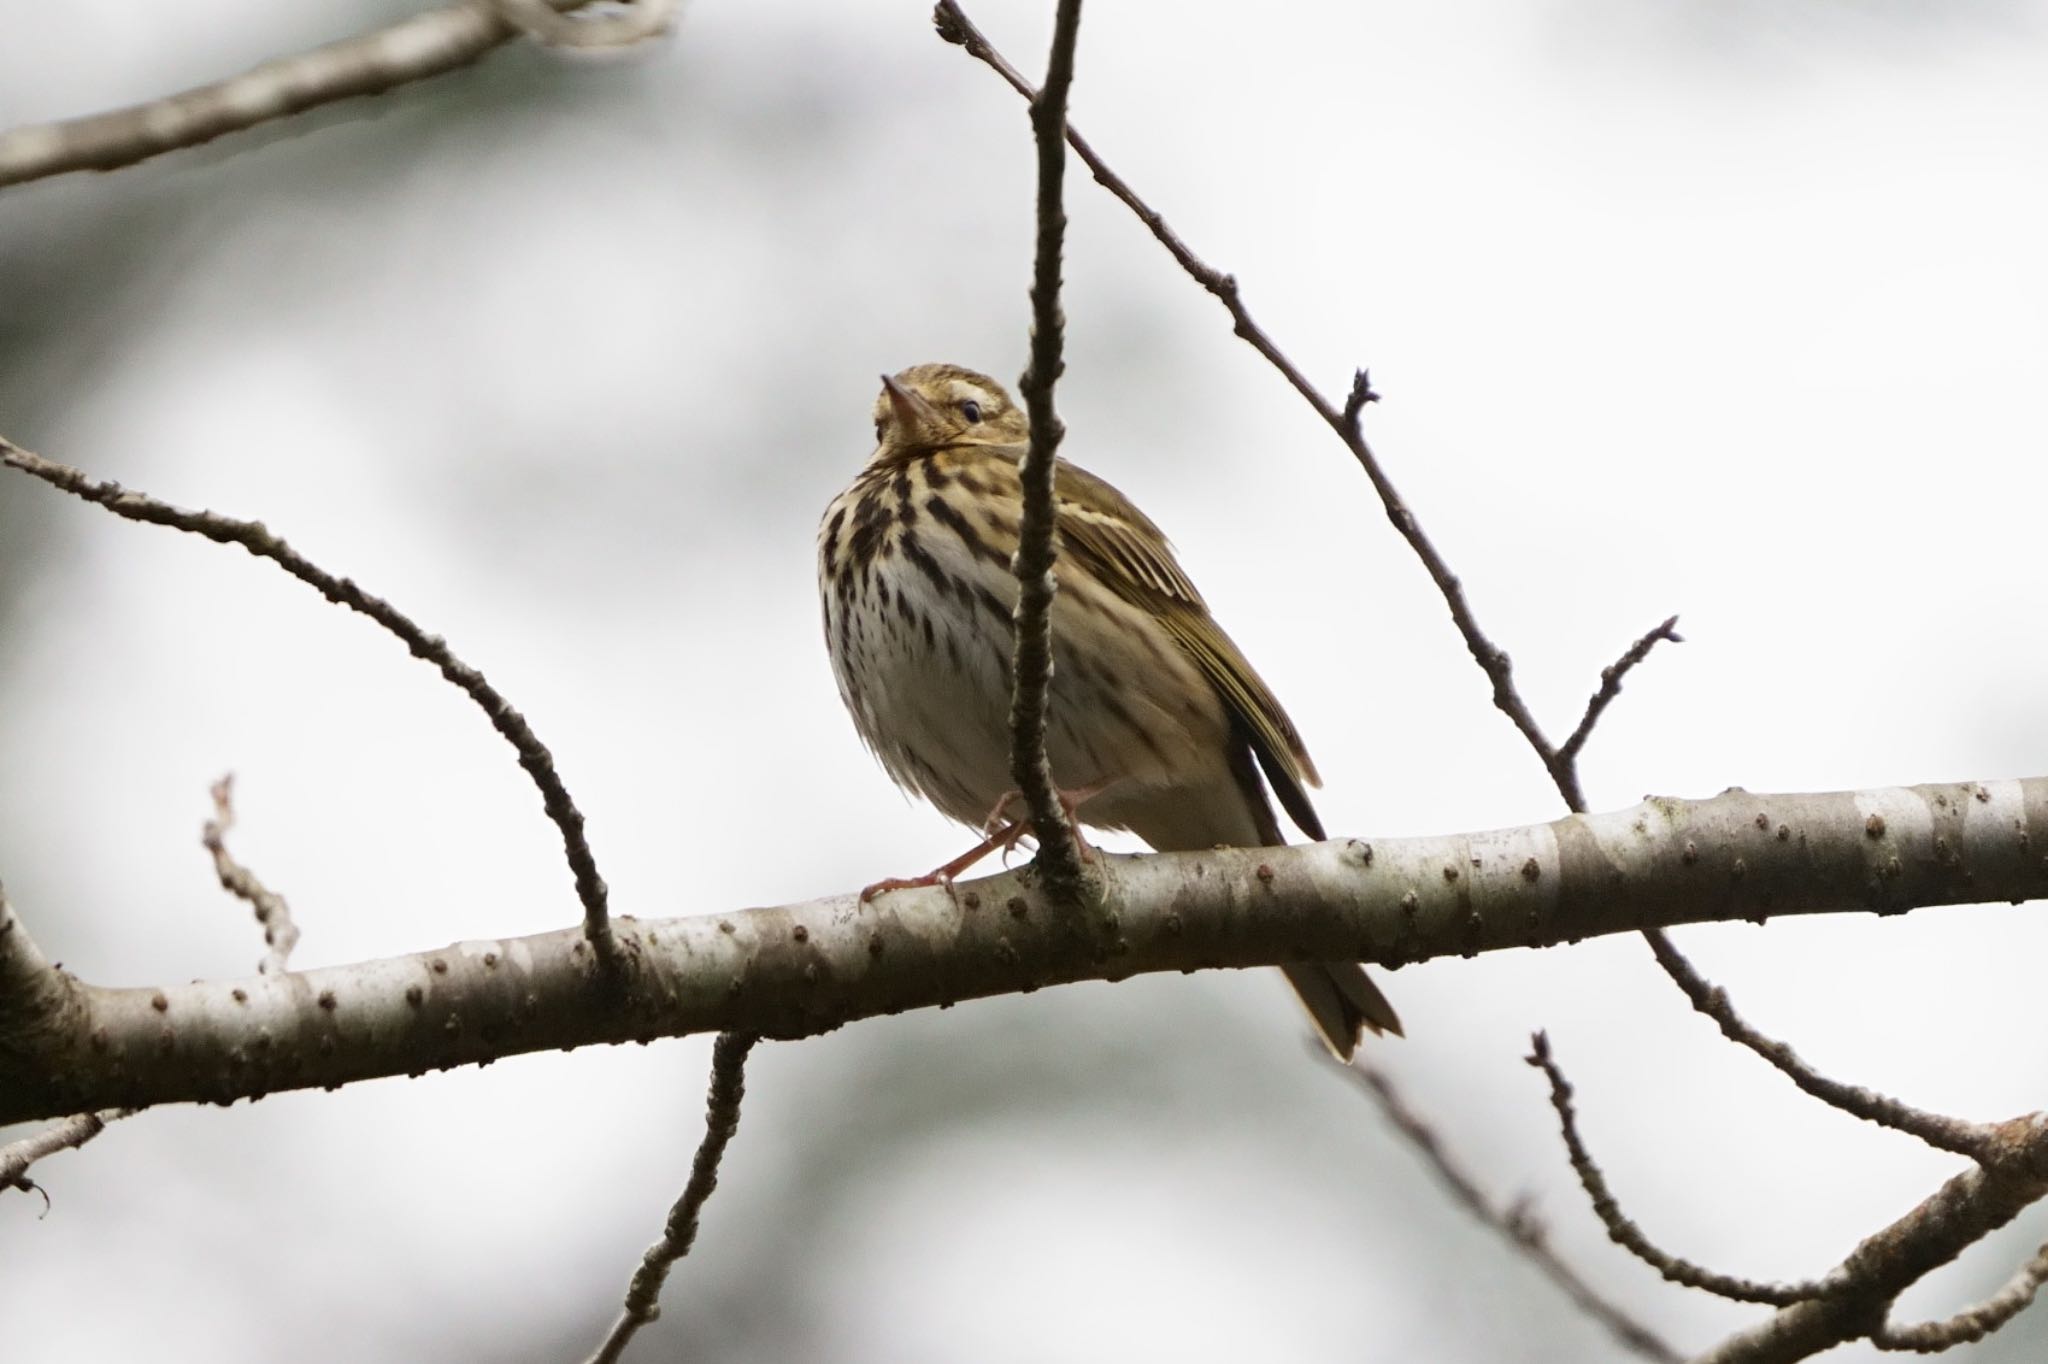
x: 912, y: 411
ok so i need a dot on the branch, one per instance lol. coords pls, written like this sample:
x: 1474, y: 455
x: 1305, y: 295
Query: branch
x: 1624, y: 1232
x: 1975, y: 1323
x: 280, y: 934
x: 721, y: 1120
x: 429, y: 44
x: 254, y: 537
x: 68, y: 1135
x: 1567, y: 755
x: 1937, y: 1130
x: 1059, y: 854
x: 1516, y: 1224
x: 639, y: 21
x: 1860, y: 1290
x: 796, y: 970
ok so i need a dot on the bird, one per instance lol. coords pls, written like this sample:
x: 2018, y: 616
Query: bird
x: 1156, y: 723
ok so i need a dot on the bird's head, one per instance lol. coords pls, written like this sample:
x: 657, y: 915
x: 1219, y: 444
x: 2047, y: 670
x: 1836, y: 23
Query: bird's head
x: 927, y: 407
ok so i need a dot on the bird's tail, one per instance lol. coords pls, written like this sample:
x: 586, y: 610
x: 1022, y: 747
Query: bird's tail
x: 1341, y: 999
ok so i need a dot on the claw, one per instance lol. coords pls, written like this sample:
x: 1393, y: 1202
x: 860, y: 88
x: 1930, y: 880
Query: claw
x: 1004, y: 834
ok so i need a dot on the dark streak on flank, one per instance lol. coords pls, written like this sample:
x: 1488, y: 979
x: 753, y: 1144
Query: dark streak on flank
x: 1121, y: 713
x: 921, y: 559
x: 948, y: 515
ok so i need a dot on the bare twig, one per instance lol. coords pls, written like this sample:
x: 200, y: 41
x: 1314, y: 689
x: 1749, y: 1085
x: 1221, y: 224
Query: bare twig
x: 1059, y: 853
x: 635, y: 23
x: 429, y: 44
x: 68, y: 1135
x: 1520, y: 1227
x: 721, y: 1120
x: 259, y: 541
x: 1975, y: 1140
x: 1610, y: 687
x: 1975, y: 1323
x: 1624, y: 1232
x: 280, y: 934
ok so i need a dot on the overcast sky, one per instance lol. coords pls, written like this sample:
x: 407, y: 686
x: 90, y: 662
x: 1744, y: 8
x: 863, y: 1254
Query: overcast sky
x: 1736, y: 310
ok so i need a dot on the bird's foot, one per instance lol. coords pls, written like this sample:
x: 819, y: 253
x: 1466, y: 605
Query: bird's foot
x: 1002, y: 834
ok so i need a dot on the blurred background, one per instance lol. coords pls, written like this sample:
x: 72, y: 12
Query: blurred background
x: 1734, y: 310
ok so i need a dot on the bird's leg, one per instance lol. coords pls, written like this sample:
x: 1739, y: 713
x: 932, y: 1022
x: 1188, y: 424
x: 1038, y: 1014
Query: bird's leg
x: 1003, y: 834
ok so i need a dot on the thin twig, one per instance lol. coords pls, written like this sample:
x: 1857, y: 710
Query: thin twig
x: 1974, y: 1323
x: 68, y: 1135
x: 721, y: 1120
x: 280, y: 934
x: 1610, y: 687
x: 1521, y: 1228
x: 254, y: 537
x: 1624, y: 1232
x: 1059, y: 854
x: 430, y: 44
x: 1975, y: 1140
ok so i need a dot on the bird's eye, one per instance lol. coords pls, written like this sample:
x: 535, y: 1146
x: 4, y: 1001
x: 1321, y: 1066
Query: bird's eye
x: 971, y: 410
x: 881, y: 427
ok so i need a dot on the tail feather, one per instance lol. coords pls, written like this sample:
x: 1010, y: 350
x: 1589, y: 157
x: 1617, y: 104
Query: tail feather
x: 1342, y: 1002
x: 1341, y: 999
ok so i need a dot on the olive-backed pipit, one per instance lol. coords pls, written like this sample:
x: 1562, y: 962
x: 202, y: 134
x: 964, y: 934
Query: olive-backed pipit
x: 1155, y: 722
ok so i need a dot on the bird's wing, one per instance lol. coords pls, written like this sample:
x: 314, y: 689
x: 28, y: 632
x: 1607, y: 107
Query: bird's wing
x: 1130, y: 555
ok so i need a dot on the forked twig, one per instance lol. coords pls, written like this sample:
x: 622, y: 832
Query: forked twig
x: 1624, y: 1232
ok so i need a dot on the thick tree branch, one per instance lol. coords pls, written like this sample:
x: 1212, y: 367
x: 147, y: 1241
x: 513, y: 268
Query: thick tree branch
x: 795, y: 970
x: 430, y: 44
x: 1059, y: 853
x: 258, y: 540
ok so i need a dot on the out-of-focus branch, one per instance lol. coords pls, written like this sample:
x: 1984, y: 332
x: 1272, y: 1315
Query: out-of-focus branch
x: 429, y: 44
x: 1623, y: 1231
x: 1974, y: 1323
x: 721, y: 1120
x: 258, y: 540
x: 795, y: 970
x: 1517, y: 1224
x: 280, y: 934
x: 1059, y: 853
x: 635, y: 23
